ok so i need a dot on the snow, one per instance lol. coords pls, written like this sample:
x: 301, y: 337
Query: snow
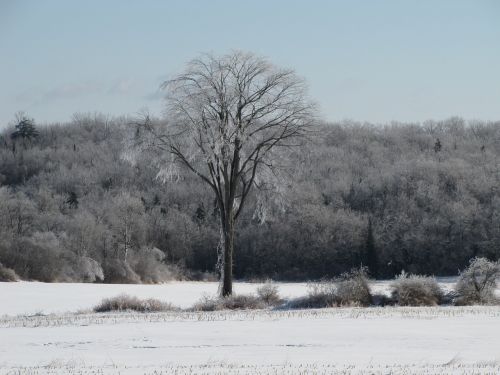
x: 431, y: 340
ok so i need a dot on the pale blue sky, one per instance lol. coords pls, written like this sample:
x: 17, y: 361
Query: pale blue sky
x: 364, y: 60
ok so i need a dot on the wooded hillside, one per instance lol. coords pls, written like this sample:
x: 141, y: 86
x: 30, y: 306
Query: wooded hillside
x: 420, y: 197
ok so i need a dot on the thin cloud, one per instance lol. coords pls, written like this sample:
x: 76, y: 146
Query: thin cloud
x: 77, y: 90
x: 73, y: 90
x: 155, y: 95
x: 122, y: 86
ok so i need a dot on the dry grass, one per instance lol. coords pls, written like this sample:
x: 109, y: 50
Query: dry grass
x: 234, y: 302
x: 86, y: 319
x: 228, y: 368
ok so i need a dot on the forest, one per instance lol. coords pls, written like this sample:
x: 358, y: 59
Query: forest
x: 419, y: 197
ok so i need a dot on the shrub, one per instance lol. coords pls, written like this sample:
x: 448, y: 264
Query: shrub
x: 234, y: 302
x: 312, y: 301
x: 125, y: 302
x: 7, y: 274
x: 477, y: 283
x: 352, y: 288
x: 414, y: 290
x: 320, y: 294
x: 242, y: 302
x: 207, y: 304
x: 268, y: 293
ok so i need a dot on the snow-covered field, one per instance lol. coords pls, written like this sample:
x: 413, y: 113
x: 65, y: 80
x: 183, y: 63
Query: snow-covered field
x: 391, y: 340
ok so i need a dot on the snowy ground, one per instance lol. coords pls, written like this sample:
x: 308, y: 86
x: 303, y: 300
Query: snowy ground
x: 391, y: 340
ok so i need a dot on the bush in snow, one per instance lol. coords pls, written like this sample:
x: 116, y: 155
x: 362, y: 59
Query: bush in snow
x: 7, y: 274
x: 128, y: 303
x: 320, y: 294
x: 414, y: 290
x: 268, y: 293
x: 352, y: 288
x: 207, y: 304
x: 477, y: 283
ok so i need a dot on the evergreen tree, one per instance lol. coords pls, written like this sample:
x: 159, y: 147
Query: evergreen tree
x: 371, y: 252
x: 72, y: 200
x: 25, y: 129
x: 200, y: 214
x: 437, y: 146
x: 156, y: 200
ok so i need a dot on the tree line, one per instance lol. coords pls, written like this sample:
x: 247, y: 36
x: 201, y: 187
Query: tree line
x: 419, y: 197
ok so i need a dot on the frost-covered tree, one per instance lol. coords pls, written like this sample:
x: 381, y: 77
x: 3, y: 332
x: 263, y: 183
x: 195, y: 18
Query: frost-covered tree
x: 227, y: 119
x: 477, y: 283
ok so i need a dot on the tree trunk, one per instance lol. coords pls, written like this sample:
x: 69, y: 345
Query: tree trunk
x: 227, y: 275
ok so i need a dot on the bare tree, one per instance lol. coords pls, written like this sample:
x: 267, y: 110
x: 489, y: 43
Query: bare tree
x: 227, y: 119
